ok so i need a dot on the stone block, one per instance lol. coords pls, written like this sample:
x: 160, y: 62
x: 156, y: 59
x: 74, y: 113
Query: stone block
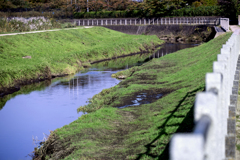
x: 235, y: 84
x: 234, y: 90
x: 236, y: 77
x: 233, y: 99
x: 232, y: 111
x: 230, y: 141
x: 231, y: 126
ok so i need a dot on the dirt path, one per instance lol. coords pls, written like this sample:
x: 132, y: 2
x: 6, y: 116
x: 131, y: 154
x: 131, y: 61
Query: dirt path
x: 10, y: 34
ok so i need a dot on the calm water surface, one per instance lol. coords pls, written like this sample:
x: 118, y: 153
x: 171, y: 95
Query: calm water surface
x: 28, y: 117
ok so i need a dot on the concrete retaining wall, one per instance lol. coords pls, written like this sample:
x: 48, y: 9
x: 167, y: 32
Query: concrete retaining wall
x: 189, y: 33
x: 224, y: 22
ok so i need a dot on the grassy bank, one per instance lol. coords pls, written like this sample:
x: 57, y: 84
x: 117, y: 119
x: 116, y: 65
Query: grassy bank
x: 62, y: 52
x: 118, y: 63
x: 144, y: 131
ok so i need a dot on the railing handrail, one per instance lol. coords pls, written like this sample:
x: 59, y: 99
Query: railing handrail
x: 202, y: 126
x: 149, y: 21
x: 214, y: 111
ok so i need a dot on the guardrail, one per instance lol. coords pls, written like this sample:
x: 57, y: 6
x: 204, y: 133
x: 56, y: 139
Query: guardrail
x: 152, y: 21
x: 224, y: 22
x: 214, y: 111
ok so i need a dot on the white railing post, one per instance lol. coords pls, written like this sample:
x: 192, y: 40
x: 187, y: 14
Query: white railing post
x: 206, y: 104
x: 214, y: 112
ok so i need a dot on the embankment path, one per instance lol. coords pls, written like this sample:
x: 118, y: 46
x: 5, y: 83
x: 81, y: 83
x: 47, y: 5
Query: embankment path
x: 10, y: 34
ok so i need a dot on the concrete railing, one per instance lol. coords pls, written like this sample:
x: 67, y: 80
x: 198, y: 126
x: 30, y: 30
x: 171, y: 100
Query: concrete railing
x: 214, y: 111
x: 152, y: 21
x: 224, y: 23
x: 238, y: 19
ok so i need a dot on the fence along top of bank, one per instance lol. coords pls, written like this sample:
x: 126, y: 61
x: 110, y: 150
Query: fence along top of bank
x: 148, y: 21
x: 214, y: 111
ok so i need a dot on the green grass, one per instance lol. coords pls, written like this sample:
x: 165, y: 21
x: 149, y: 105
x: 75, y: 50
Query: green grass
x: 144, y: 131
x: 63, y: 52
x: 238, y: 147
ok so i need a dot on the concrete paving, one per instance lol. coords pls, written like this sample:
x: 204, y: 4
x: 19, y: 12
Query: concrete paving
x: 234, y: 27
x: 11, y: 34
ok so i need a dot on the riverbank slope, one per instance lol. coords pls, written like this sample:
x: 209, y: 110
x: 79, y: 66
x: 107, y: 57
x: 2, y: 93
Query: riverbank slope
x: 35, y: 57
x: 165, y: 88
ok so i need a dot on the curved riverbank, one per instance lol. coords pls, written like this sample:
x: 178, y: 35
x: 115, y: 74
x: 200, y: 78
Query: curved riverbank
x: 36, y: 57
x: 138, y: 131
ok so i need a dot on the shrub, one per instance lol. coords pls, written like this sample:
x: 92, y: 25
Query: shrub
x: 199, y: 11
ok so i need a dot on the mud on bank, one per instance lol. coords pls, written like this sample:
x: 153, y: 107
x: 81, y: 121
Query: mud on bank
x: 142, y: 131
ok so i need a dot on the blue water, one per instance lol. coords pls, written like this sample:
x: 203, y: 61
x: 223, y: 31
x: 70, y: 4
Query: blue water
x: 28, y: 118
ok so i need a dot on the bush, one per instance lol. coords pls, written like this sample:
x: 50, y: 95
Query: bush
x: 199, y: 11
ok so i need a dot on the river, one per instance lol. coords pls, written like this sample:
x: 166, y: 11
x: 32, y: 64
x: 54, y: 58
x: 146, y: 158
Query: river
x: 28, y: 116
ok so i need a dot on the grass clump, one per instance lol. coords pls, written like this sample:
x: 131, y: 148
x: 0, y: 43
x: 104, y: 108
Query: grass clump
x: 63, y: 52
x: 144, y: 131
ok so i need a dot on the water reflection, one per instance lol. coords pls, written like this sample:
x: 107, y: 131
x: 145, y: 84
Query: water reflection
x: 49, y: 105
x: 40, y: 107
x: 168, y: 48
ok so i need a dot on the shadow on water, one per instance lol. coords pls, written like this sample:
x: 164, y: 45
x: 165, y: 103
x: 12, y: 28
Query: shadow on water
x: 168, y: 48
x: 27, y: 89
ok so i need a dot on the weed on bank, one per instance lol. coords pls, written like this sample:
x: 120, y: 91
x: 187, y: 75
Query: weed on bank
x: 170, y: 84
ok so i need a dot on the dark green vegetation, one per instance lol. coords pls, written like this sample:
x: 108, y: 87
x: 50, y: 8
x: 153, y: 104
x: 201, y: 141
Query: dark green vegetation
x: 186, y: 12
x: 63, y: 52
x: 144, y: 131
x: 119, y: 8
